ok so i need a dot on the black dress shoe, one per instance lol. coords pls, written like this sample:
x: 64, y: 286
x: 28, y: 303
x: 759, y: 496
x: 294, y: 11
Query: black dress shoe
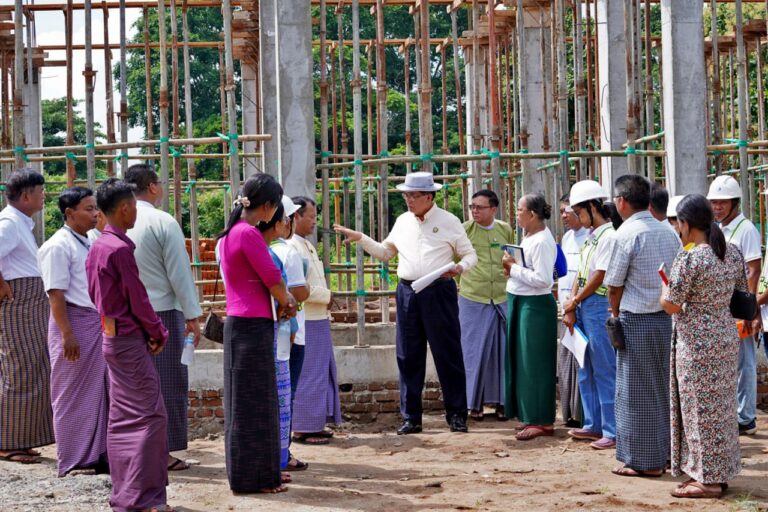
x: 409, y: 427
x: 458, y: 424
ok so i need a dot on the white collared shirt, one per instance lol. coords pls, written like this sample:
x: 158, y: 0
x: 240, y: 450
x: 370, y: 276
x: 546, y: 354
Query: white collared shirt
x: 424, y: 246
x: 93, y: 235
x: 571, y: 244
x: 537, y: 277
x: 62, y: 265
x: 18, y: 249
x: 294, y: 266
x: 744, y: 235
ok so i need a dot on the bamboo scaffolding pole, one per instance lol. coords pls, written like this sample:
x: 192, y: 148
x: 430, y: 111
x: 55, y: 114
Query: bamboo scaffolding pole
x: 108, y: 90
x: 234, y: 161
x: 649, y: 107
x: 175, y: 108
x: 407, y: 90
x: 346, y: 211
x: 444, y: 117
x: 457, y: 86
x: 123, y: 88
x: 426, y: 139
x: 163, y: 106
x: 68, y: 22
x: 326, y: 237
x: 494, y: 95
x: 18, y: 85
x: 358, y: 169
x: 416, y: 13
x: 717, y: 136
x: 371, y: 191
x: 629, y: 37
x: 382, y: 147
x: 593, y: 93
x: 741, y: 70
x: 579, y: 87
x: 477, y: 140
x: 223, y: 108
x: 194, y: 225
x: 138, y: 157
x: 562, y: 97
x: 149, y: 124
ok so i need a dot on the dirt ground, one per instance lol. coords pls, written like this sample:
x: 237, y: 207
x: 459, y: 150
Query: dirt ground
x: 368, y: 468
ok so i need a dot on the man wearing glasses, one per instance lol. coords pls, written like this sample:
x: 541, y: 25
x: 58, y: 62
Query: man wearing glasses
x: 483, y: 307
x: 426, y: 238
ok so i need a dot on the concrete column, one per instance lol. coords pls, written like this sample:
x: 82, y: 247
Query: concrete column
x: 249, y: 91
x: 612, y: 87
x: 533, y: 117
x: 478, y: 70
x: 296, y: 98
x: 685, y: 94
x: 270, y: 121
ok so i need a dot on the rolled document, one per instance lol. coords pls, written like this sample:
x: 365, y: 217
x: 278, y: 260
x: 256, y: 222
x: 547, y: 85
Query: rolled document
x: 422, y: 282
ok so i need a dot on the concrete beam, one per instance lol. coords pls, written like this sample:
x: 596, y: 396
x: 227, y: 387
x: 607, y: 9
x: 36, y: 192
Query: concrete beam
x: 270, y: 121
x: 249, y: 93
x: 685, y: 94
x: 611, y: 54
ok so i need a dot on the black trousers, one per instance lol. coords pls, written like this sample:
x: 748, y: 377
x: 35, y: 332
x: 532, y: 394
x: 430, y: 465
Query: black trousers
x: 432, y: 315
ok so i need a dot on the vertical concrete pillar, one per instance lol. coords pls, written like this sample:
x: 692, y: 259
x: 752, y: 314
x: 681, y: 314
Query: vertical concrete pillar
x: 296, y: 93
x: 685, y: 94
x: 536, y: 23
x: 270, y: 121
x: 612, y: 87
x: 249, y: 116
x: 475, y: 73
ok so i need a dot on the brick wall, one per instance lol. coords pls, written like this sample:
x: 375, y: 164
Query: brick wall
x: 762, y: 386
x: 206, y: 412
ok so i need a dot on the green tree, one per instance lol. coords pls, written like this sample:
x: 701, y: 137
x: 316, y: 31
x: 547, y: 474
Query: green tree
x: 54, y: 127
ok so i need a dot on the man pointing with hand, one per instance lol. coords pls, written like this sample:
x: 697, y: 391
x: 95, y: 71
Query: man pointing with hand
x: 426, y: 238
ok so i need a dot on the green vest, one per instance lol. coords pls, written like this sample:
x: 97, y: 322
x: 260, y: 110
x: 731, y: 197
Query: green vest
x: 485, y: 282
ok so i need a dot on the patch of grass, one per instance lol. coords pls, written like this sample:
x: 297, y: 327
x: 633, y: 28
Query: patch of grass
x: 745, y: 503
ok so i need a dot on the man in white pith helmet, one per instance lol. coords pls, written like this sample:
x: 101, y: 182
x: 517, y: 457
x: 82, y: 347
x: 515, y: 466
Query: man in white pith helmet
x: 725, y: 197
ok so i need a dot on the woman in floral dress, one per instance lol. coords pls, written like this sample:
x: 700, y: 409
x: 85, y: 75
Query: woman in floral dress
x: 705, y: 347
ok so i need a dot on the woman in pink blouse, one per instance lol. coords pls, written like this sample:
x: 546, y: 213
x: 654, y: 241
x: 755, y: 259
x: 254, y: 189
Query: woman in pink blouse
x: 251, y: 418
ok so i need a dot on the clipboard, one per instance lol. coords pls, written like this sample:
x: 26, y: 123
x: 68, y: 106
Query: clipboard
x: 517, y: 252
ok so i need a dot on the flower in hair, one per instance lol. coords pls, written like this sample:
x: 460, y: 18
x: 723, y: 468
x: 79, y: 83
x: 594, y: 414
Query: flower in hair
x: 242, y: 200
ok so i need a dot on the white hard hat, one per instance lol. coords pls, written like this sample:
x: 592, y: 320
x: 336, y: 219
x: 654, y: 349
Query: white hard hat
x: 672, y: 206
x: 288, y: 206
x: 724, y: 187
x: 586, y: 190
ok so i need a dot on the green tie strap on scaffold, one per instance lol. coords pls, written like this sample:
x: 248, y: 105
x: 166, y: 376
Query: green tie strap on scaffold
x: 120, y: 156
x: 504, y: 174
x: 227, y: 187
x: 325, y: 154
x: 189, y: 186
x: 20, y: 150
x: 384, y: 273
x: 487, y: 181
x: 232, y: 139
x: 427, y: 157
x: 175, y: 153
x: 361, y: 293
x: 90, y: 146
x: 2, y: 188
x: 71, y: 156
x: 327, y: 271
x: 357, y: 162
x: 630, y: 151
x: 384, y: 154
x: 564, y: 153
x: 370, y: 189
x: 523, y: 151
x: 464, y: 176
x: 347, y: 179
x: 196, y: 263
x: 740, y: 143
x: 717, y: 153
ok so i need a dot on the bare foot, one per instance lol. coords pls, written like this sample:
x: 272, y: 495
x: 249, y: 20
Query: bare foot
x: 273, y: 490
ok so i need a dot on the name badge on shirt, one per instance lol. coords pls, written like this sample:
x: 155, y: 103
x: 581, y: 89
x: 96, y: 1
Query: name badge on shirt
x: 435, y: 230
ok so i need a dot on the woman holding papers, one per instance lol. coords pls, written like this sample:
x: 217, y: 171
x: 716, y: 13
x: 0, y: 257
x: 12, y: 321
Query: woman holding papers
x: 587, y: 311
x: 705, y: 351
x: 532, y: 323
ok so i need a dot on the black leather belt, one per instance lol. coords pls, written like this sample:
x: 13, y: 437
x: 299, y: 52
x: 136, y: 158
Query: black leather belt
x: 439, y: 280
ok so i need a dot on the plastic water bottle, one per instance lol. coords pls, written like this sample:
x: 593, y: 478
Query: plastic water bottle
x: 188, y: 354
x: 284, y: 333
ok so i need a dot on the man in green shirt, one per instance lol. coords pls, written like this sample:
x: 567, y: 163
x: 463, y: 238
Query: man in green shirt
x: 483, y: 306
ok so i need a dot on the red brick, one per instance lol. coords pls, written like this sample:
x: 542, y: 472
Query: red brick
x: 390, y: 407
x: 219, y: 413
x: 762, y: 388
x: 358, y: 408
x: 359, y: 387
x: 432, y: 394
x: 363, y: 397
x: 213, y: 402
x: 211, y: 393
x: 195, y: 403
x: 192, y: 393
x: 431, y: 384
x: 391, y: 385
x: 204, y: 413
x: 375, y: 386
x: 346, y: 398
x: 190, y: 413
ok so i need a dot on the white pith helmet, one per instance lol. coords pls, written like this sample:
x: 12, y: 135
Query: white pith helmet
x: 724, y: 187
x: 288, y: 206
x: 672, y: 206
x: 586, y: 190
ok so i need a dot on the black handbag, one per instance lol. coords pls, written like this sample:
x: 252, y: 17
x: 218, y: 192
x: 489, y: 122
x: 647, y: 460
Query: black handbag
x: 615, y: 333
x: 214, y: 326
x: 743, y: 305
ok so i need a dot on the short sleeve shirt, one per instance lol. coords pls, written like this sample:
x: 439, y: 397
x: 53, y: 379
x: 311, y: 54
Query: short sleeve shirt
x: 62, y: 265
x: 745, y: 236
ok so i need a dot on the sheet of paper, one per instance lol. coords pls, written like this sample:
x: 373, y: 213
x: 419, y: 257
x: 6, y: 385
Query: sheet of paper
x: 576, y: 343
x: 422, y: 282
x: 764, y: 316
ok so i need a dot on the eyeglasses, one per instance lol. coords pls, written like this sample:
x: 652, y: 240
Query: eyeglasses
x: 413, y: 195
x: 479, y: 207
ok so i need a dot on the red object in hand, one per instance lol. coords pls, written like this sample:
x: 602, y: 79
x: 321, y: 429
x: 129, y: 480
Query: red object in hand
x: 663, y: 273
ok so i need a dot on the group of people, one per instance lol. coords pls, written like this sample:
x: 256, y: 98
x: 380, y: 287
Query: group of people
x: 93, y: 324
x: 666, y: 379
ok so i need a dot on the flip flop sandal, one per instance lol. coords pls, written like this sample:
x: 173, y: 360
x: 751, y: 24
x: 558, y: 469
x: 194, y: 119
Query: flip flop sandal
x: 534, y: 431
x: 476, y: 416
x: 682, y: 492
x: 285, y: 478
x: 298, y: 466
x: 629, y: 472
x: 310, y: 439
x: 324, y: 433
x: 14, y: 457
x: 178, y: 465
